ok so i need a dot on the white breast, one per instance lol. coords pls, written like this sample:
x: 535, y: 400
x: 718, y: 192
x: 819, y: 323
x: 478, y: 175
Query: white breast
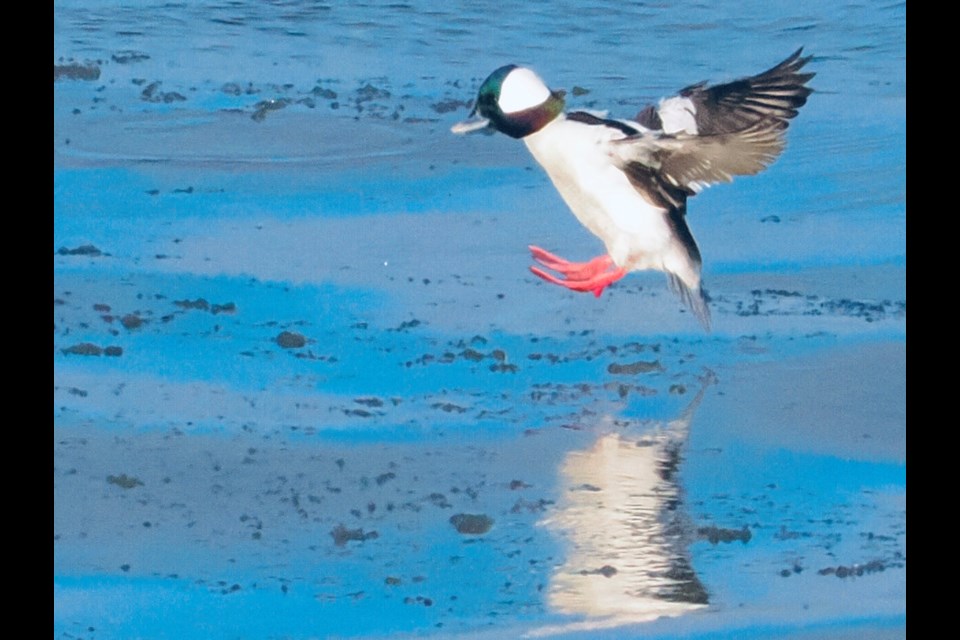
x: 575, y: 157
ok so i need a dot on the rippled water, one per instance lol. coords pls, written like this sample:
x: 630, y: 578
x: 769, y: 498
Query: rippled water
x: 651, y: 46
x: 420, y: 63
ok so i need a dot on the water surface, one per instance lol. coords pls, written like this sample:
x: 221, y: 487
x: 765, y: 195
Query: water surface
x: 227, y: 173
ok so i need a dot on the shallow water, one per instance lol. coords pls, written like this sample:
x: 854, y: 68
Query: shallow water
x: 243, y: 169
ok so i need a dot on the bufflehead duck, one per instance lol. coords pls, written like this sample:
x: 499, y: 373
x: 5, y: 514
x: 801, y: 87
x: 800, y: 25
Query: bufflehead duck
x: 628, y: 181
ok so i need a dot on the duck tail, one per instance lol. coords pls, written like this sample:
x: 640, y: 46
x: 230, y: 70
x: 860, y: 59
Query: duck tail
x: 694, y: 298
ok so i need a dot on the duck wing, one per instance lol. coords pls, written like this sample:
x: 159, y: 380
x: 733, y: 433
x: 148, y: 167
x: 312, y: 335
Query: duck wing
x: 775, y: 94
x: 692, y: 162
x: 708, y: 134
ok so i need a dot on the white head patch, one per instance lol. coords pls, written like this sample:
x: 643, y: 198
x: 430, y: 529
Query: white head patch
x: 522, y: 89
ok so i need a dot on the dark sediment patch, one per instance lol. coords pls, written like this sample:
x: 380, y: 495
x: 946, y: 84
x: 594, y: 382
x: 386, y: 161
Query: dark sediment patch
x: 124, y: 481
x: 83, y: 250
x: 131, y: 321
x: 83, y: 349
x: 361, y: 413
x: 76, y: 71
x: 450, y: 104
x: 471, y: 524
x: 623, y: 390
x: 234, y: 89
x: 715, y: 535
x: 291, y: 340
x: 90, y: 349
x: 530, y: 506
x: 857, y: 570
x: 448, y: 407
x: 385, y: 477
x: 324, y: 93
x: 310, y: 355
x: 634, y: 368
x: 152, y: 93
x: 202, y: 304
x: 341, y: 535
x: 406, y: 325
x: 226, y: 307
x: 427, y: 602
x: 199, y: 303
x: 779, y: 302
x: 439, y: 500
x: 262, y: 108
x: 606, y: 571
x: 369, y: 92
x: 127, y: 57
x: 472, y: 354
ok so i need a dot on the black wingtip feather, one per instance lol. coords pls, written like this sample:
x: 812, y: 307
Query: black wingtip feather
x: 776, y: 93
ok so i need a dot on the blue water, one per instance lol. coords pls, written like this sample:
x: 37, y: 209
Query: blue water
x: 413, y: 56
x: 217, y: 155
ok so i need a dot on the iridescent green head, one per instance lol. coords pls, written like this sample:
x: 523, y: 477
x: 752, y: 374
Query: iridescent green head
x: 514, y: 101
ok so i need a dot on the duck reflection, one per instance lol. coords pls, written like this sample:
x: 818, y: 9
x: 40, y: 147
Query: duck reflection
x: 621, y: 517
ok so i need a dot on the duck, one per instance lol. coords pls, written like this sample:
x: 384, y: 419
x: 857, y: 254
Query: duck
x: 628, y: 180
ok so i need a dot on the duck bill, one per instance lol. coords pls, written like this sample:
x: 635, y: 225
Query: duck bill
x: 475, y: 123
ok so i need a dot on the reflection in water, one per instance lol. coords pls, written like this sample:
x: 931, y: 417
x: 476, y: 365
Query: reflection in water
x: 622, y: 520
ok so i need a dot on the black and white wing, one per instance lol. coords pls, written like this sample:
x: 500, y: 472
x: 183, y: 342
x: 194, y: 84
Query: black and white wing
x: 709, y: 134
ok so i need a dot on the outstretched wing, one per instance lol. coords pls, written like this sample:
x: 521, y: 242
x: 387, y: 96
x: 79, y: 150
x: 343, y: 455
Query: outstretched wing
x: 710, y: 134
x: 692, y: 162
x: 734, y: 106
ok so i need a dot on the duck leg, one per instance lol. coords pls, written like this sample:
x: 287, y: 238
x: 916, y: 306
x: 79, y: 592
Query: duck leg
x: 593, y: 275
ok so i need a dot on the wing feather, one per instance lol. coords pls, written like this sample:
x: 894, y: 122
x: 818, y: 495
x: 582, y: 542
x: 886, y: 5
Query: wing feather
x: 777, y: 94
x: 709, y: 134
x: 693, y: 161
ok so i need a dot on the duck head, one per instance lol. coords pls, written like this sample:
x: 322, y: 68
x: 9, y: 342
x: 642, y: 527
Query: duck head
x: 515, y: 101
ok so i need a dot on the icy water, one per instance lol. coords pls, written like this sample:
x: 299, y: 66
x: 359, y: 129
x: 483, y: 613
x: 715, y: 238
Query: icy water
x: 306, y: 387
